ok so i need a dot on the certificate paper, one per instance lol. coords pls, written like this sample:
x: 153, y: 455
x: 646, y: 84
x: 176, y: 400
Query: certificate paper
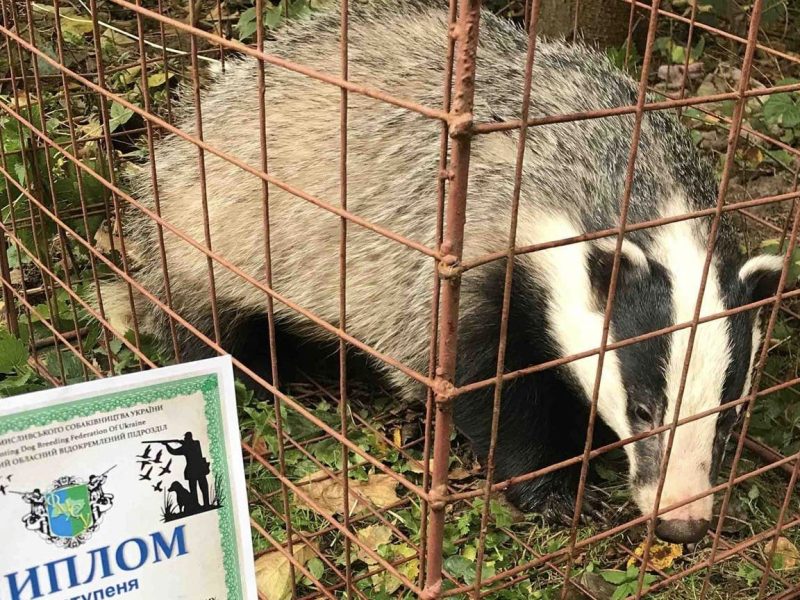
x: 129, y: 487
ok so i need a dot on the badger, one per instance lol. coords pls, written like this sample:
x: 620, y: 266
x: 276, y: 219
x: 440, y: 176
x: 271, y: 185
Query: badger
x: 572, y: 183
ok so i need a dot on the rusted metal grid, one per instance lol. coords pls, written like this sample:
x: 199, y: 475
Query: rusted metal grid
x: 549, y: 558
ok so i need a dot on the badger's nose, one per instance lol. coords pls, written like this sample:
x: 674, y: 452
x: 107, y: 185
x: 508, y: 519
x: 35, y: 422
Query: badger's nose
x: 679, y: 531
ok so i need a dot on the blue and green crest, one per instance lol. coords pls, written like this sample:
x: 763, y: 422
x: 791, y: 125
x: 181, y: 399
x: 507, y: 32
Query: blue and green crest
x: 69, y: 510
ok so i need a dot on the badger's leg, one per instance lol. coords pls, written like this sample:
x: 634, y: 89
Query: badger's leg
x: 542, y: 422
x: 535, y: 430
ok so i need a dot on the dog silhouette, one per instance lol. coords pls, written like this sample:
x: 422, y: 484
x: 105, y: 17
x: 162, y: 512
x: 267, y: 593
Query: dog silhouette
x: 184, y: 499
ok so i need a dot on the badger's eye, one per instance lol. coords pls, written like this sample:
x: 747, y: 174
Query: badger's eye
x: 643, y: 413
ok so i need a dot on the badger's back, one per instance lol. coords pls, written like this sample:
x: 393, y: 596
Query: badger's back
x: 573, y: 174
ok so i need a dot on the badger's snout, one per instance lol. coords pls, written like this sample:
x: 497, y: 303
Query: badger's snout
x: 685, y: 524
x: 681, y: 531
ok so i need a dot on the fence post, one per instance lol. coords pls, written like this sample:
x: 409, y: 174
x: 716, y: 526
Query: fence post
x: 465, y: 34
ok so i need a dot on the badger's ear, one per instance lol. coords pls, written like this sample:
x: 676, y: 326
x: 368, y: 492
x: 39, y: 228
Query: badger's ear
x: 600, y: 263
x: 760, y: 276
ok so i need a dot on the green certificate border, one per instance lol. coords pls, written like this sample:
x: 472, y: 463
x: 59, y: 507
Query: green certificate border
x: 165, y: 391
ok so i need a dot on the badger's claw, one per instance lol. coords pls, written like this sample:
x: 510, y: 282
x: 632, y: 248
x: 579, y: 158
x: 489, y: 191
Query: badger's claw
x: 558, y: 507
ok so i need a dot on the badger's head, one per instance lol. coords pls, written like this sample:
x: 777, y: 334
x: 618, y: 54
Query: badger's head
x: 658, y: 286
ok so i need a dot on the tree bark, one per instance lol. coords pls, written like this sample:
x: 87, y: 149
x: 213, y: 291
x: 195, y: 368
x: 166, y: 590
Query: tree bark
x: 600, y: 22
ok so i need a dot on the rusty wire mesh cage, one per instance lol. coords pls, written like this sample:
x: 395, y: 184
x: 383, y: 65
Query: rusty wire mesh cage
x: 353, y: 493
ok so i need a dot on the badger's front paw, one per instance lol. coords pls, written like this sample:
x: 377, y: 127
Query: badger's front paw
x: 556, y: 505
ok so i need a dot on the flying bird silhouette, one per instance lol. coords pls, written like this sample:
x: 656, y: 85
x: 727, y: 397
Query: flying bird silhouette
x: 146, y: 454
x: 166, y: 469
x: 157, y: 487
x: 157, y: 459
x: 146, y: 475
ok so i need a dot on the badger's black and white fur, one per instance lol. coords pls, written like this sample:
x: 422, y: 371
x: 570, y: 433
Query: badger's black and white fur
x: 572, y: 183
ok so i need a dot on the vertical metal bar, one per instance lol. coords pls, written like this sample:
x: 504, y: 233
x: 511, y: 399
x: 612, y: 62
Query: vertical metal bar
x: 12, y: 14
x: 441, y: 191
x: 79, y: 180
x: 154, y: 180
x: 629, y: 39
x: 343, y: 405
x: 504, y: 317
x: 221, y: 34
x: 112, y: 176
x: 273, y: 350
x: 762, y: 587
x: 575, y: 20
x: 465, y: 33
x: 201, y: 166
x: 623, y: 218
x: 62, y: 238
x: 759, y: 371
x: 688, y: 52
x: 733, y: 137
x: 165, y: 60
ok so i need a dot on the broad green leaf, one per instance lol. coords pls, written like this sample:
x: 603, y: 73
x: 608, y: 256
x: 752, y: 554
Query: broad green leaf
x: 273, y: 16
x: 782, y: 109
x: 13, y: 353
x: 615, y: 577
x: 247, y: 24
x: 316, y: 567
x: 502, y: 515
x: 458, y: 566
x: 119, y: 115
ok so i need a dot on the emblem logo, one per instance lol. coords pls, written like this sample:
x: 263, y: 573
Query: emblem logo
x: 69, y: 511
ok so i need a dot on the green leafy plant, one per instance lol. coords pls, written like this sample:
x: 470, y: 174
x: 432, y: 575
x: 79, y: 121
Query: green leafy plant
x: 274, y: 15
x: 626, y: 582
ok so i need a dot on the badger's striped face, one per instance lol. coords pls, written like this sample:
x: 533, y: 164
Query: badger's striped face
x: 645, y: 384
x: 662, y: 379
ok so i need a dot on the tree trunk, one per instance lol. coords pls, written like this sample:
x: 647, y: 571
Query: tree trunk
x: 600, y: 22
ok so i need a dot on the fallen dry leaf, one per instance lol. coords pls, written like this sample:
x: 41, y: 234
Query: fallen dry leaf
x: 372, y: 537
x: 661, y: 555
x: 417, y: 467
x: 786, y: 555
x: 328, y: 493
x: 273, y: 574
x: 397, y: 437
x: 459, y: 474
x: 104, y: 237
x: 260, y: 447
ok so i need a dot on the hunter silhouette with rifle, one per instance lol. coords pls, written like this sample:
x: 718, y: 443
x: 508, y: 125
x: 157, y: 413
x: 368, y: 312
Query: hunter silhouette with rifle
x: 197, y: 467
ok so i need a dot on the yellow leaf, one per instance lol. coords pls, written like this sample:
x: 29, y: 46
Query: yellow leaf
x: 115, y: 38
x: 372, y: 537
x: 661, y: 555
x: 397, y: 437
x: 786, y: 555
x: 130, y: 74
x: 273, y: 572
x: 418, y: 468
x: 92, y: 129
x: 158, y: 79
x: 74, y: 24
x: 328, y: 493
